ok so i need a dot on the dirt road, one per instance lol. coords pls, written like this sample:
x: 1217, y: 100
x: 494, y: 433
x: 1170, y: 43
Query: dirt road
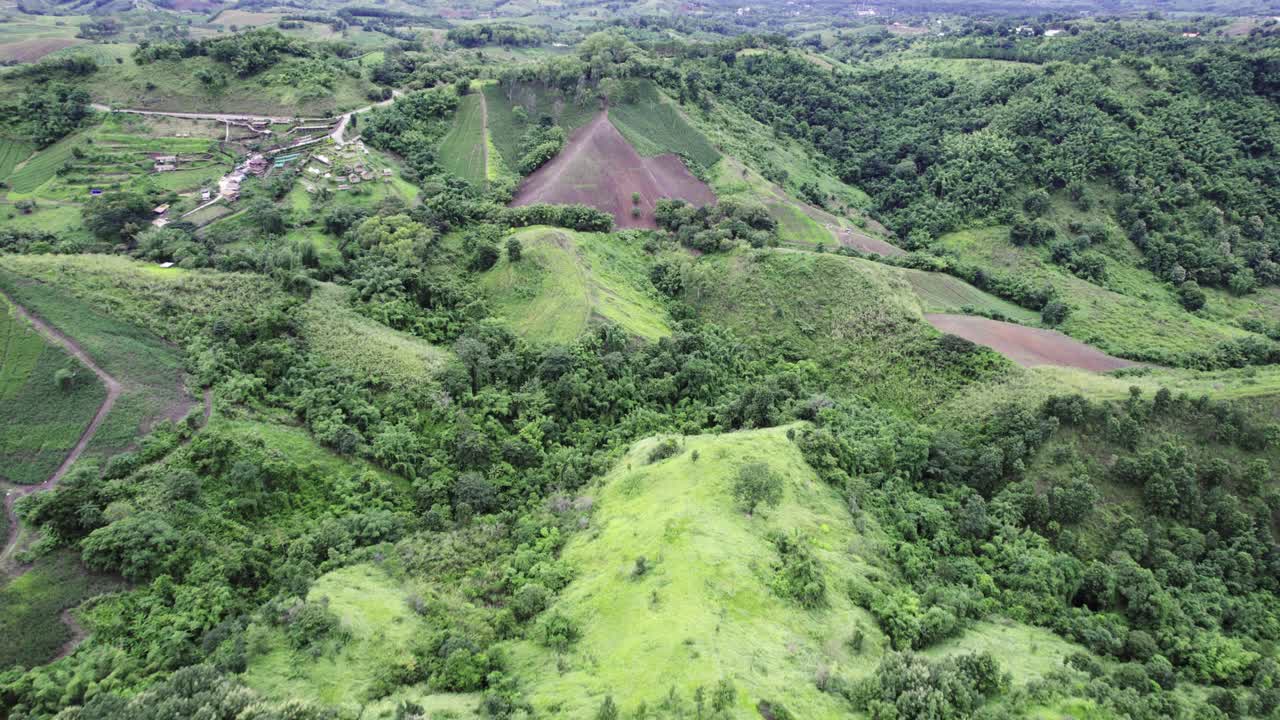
x: 13, y: 494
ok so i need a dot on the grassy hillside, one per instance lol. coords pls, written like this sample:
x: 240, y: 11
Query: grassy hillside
x: 462, y: 150
x: 41, y: 420
x: 506, y: 129
x: 860, y: 320
x: 778, y: 158
x: 335, y: 332
x: 704, y: 611
x: 566, y: 280
x: 654, y: 126
x: 122, y: 313
x: 381, y: 628
x: 149, y: 368
x: 1136, y: 316
x: 31, y: 607
x: 705, y: 608
x: 944, y: 293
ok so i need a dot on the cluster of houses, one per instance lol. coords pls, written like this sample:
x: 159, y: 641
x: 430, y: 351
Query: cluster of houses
x: 352, y: 169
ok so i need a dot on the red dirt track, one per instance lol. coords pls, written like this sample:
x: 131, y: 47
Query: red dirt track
x: 1027, y: 346
x: 598, y: 167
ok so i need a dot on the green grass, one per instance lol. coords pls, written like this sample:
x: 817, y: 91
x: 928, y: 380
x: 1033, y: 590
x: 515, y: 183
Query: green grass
x: 705, y: 610
x: 797, y: 225
x: 1035, y: 385
x: 39, y: 421
x: 31, y: 607
x: 565, y: 281
x: 1028, y: 653
x: 149, y: 369
x: 41, y: 167
x: 335, y: 332
x: 654, y: 126
x: 374, y: 609
x: 463, y: 147
x: 505, y: 130
x: 298, y: 446
x: 12, y: 152
x: 779, y: 158
x: 948, y: 294
x: 47, y: 216
x: 120, y: 311
x: 859, y: 320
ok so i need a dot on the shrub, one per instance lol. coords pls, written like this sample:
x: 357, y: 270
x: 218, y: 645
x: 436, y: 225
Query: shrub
x: 665, y: 449
x: 1055, y: 312
x: 755, y: 485
x: 798, y: 576
x: 530, y: 600
x: 558, y: 632
x: 1191, y: 296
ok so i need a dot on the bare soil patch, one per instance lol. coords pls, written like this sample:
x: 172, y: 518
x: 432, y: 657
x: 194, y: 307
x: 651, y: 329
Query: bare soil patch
x: 245, y: 18
x: 598, y: 167
x: 33, y: 49
x: 1028, y: 346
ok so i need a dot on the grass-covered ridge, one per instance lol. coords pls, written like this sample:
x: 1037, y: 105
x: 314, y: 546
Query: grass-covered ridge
x: 565, y: 280
x: 676, y: 588
x: 704, y: 609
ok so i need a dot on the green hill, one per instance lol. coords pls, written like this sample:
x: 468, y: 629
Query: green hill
x: 706, y: 607
x: 566, y: 280
x: 704, y: 610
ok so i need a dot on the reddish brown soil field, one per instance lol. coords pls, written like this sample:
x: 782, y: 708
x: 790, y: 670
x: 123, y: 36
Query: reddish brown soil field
x: 195, y: 5
x: 598, y: 167
x: 1027, y: 346
x: 33, y: 49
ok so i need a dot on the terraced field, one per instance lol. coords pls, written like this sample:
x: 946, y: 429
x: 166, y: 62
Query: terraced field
x: 12, y: 152
x: 41, y: 167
